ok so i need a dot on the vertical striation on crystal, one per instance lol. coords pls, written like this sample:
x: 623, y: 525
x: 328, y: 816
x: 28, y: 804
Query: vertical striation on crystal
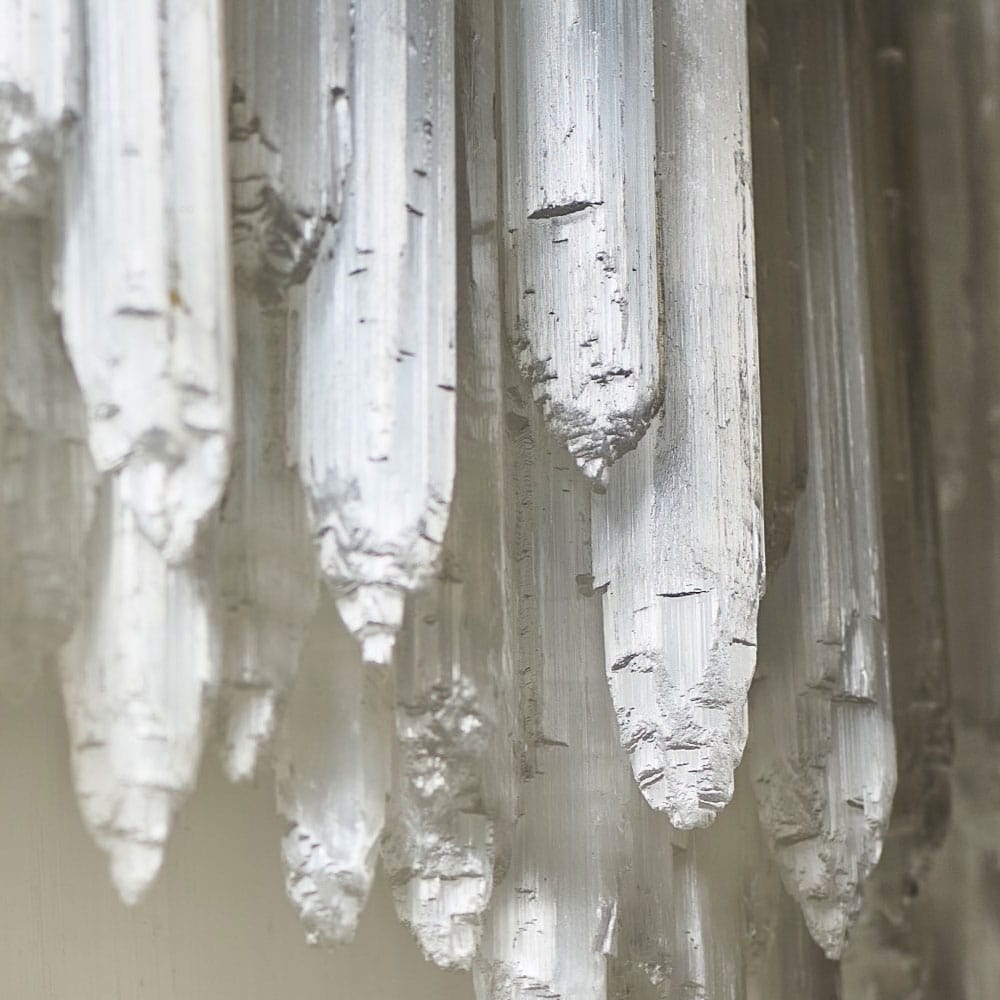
x: 642, y: 961
x: 824, y: 767
x: 454, y: 797
x: 147, y: 320
x: 678, y: 538
x: 322, y: 324
x: 138, y: 676
x: 286, y: 164
x: 577, y: 146
x: 438, y: 850
x: 554, y: 917
x: 267, y: 562
x: 376, y: 369
x: 785, y: 963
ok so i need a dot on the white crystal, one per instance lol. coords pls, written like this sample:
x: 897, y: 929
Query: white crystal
x: 564, y: 907
x: 138, y: 675
x: 268, y: 573
x: 824, y: 770
x: 577, y: 143
x: 146, y: 274
x: 455, y: 788
x: 678, y: 538
x: 333, y: 770
x: 146, y: 305
x: 377, y: 363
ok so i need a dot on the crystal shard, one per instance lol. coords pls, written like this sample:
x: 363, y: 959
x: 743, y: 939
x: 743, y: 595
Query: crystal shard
x: 886, y: 954
x: 577, y: 141
x: 377, y: 364
x: 284, y: 193
x: 555, y: 917
x: 137, y: 675
x: 824, y: 768
x: 268, y: 574
x: 678, y: 538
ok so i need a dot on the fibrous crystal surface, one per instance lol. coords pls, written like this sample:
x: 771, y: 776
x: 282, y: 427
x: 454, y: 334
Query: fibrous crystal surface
x: 557, y: 439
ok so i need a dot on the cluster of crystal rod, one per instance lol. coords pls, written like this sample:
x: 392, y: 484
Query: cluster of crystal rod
x: 403, y: 396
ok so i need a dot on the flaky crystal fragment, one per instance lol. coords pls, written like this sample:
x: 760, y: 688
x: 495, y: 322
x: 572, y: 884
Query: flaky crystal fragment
x: 333, y: 771
x: 439, y: 845
x: 377, y: 363
x: 47, y: 477
x: 678, y: 538
x: 577, y: 143
x: 824, y: 767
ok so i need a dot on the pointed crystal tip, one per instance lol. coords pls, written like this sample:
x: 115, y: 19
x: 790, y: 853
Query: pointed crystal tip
x: 828, y: 921
x: 373, y: 614
x: 134, y: 867
x: 249, y: 726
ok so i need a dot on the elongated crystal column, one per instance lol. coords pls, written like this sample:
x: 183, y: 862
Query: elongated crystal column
x: 454, y: 796
x: 577, y: 127
x: 824, y: 769
x: 137, y: 675
x: 678, y: 539
x: 552, y: 924
x: 885, y: 951
x: 146, y: 309
x: 377, y: 362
